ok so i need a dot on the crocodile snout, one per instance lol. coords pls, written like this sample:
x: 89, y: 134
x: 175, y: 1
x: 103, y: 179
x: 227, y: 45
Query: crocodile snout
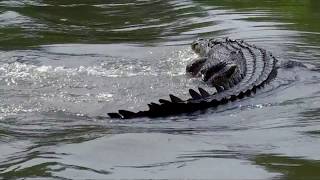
x: 199, y: 46
x: 195, y: 47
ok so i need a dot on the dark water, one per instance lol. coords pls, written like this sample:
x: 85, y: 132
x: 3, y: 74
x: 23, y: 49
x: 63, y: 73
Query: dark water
x: 65, y: 64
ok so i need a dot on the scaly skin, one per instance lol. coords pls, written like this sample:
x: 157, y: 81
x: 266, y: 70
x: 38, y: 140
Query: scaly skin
x: 234, y: 68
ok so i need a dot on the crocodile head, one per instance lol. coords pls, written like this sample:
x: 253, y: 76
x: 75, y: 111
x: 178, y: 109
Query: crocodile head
x: 201, y: 46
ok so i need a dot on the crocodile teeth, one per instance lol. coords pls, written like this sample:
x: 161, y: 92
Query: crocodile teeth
x: 203, y: 92
x: 175, y: 99
x: 194, y: 94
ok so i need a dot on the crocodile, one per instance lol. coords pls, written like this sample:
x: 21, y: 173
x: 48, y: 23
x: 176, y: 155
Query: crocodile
x: 234, y: 68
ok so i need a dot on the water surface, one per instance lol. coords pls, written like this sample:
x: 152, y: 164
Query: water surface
x: 65, y: 64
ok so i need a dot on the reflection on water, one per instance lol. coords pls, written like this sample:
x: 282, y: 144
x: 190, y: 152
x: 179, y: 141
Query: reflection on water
x: 112, y: 22
x: 291, y: 168
x: 46, y: 22
x: 65, y: 64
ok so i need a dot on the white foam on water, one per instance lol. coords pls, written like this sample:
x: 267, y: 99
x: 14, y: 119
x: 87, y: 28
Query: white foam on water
x: 15, y: 72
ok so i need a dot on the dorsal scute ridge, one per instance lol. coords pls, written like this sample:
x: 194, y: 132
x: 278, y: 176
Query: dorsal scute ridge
x: 253, y: 77
x: 259, y: 66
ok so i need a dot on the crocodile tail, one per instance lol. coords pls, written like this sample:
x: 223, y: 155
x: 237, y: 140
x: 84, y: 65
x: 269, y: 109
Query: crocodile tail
x: 169, y: 107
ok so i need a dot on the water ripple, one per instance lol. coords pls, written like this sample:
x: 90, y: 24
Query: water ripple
x: 65, y: 64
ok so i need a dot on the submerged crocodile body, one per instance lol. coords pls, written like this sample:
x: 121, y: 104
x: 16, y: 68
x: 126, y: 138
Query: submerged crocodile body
x: 233, y: 67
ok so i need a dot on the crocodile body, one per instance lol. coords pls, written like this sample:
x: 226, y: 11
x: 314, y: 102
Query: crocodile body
x: 234, y: 68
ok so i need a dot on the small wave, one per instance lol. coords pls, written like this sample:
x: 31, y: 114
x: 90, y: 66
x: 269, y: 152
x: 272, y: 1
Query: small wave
x: 13, y: 18
x: 21, y: 3
x: 14, y: 109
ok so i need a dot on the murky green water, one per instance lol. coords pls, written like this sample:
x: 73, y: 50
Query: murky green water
x: 65, y: 64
